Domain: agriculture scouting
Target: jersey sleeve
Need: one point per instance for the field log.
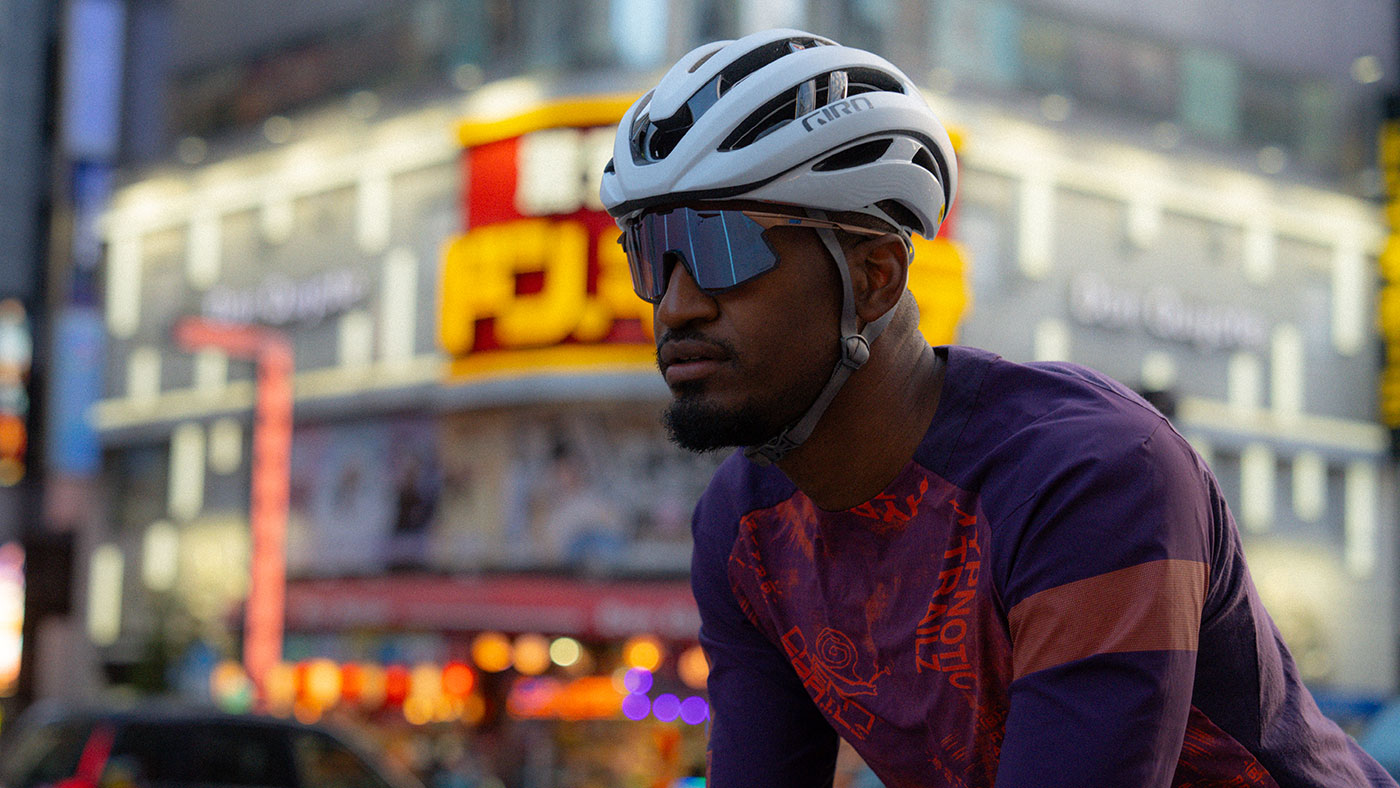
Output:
(765, 731)
(1103, 575)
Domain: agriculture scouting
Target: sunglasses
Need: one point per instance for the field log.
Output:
(721, 249)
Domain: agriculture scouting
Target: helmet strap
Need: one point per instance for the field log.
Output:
(855, 351)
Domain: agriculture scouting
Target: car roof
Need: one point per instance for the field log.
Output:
(158, 711)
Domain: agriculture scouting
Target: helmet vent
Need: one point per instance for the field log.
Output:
(696, 66)
(656, 141)
(870, 80)
(775, 113)
(854, 156)
(925, 159)
(662, 139)
(904, 216)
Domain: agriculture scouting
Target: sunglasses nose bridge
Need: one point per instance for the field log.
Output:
(669, 261)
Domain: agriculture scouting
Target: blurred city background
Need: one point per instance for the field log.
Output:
(323, 391)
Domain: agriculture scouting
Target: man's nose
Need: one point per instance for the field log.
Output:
(683, 302)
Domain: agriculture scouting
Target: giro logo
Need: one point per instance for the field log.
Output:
(823, 116)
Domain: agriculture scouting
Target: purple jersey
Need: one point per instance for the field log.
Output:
(1051, 593)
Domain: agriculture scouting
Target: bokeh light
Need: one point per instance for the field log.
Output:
(425, 681)
(230, 687)
(636, 707)
(532, 654)
(322, 687)
(666, 707)
(396, 685)
(637, 680)
(693, 667)
(458, 680)
(418, 709)
(372, 686)
(307, 712)
(694, 710)
(642, 652)
(280, 689)
(491, 652)
(565, 651)
(352, 682)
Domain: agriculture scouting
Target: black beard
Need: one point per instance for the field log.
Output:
(697, 426)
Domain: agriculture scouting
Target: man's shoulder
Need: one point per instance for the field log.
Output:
(1062, 396)
(1033, 421)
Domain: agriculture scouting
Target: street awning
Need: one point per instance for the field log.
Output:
(512, 604)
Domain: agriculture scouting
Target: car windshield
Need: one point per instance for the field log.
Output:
(223, 754)
(44, 754)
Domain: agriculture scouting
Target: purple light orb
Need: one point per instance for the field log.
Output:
(635, 707)
(637, 681)
(666, 707)
(694, 710)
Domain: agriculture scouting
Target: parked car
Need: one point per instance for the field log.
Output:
(166, 747)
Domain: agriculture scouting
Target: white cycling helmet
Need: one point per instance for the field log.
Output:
(787, 117)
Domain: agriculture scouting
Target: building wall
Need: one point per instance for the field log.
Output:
(1240, 287)
(1250, 302)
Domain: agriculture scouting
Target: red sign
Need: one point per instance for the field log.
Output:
(514, 604)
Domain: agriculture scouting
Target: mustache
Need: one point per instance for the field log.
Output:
(693, 334)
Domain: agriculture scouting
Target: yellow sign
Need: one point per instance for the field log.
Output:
(1388, 307)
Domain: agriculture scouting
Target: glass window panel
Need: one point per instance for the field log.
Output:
(1318, 111)
(1268, 108)
(1046, 50)
(979, 40)
(1152, 80)
(1210, 94)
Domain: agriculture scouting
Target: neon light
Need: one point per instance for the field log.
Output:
(638, 681)
(666, 707)
(636, 707)
(694, 710)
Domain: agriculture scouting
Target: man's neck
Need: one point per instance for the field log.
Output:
(872, 428)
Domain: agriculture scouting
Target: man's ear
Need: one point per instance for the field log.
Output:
(879, 275)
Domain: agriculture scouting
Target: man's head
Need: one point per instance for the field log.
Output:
(745, 361)
(767, 189)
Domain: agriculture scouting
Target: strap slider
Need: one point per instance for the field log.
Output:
(855, 351)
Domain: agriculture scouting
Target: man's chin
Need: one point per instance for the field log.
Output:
(698, 425)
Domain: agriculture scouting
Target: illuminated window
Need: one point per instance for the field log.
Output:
(979, 40)
(1210, 94)
(638, 31)
(1360, 522)
(1258, 483)
(1309, 486)
(1286, 370)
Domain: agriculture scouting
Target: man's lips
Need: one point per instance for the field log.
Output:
(689, 360)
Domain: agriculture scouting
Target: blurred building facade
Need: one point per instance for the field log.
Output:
(1183, 197)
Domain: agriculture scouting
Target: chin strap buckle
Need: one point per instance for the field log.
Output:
(772, 450)
(855, 351)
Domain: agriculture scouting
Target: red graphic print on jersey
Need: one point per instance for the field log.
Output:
(832, 678)
(885, 512)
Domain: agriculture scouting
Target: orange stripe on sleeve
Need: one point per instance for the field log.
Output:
(1154, 606)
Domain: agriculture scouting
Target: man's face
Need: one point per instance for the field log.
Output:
(745, 363)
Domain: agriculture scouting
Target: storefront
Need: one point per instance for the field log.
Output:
(487, 531)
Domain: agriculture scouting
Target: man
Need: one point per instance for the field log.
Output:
(976, 572)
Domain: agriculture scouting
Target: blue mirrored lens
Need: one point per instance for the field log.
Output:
(720, 249)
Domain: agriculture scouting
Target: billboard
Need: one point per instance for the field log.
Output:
(537, 278)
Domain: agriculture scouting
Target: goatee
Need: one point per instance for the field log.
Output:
(698, 426)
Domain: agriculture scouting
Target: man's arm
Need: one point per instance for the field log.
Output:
(1104, 588)
(765, 732)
